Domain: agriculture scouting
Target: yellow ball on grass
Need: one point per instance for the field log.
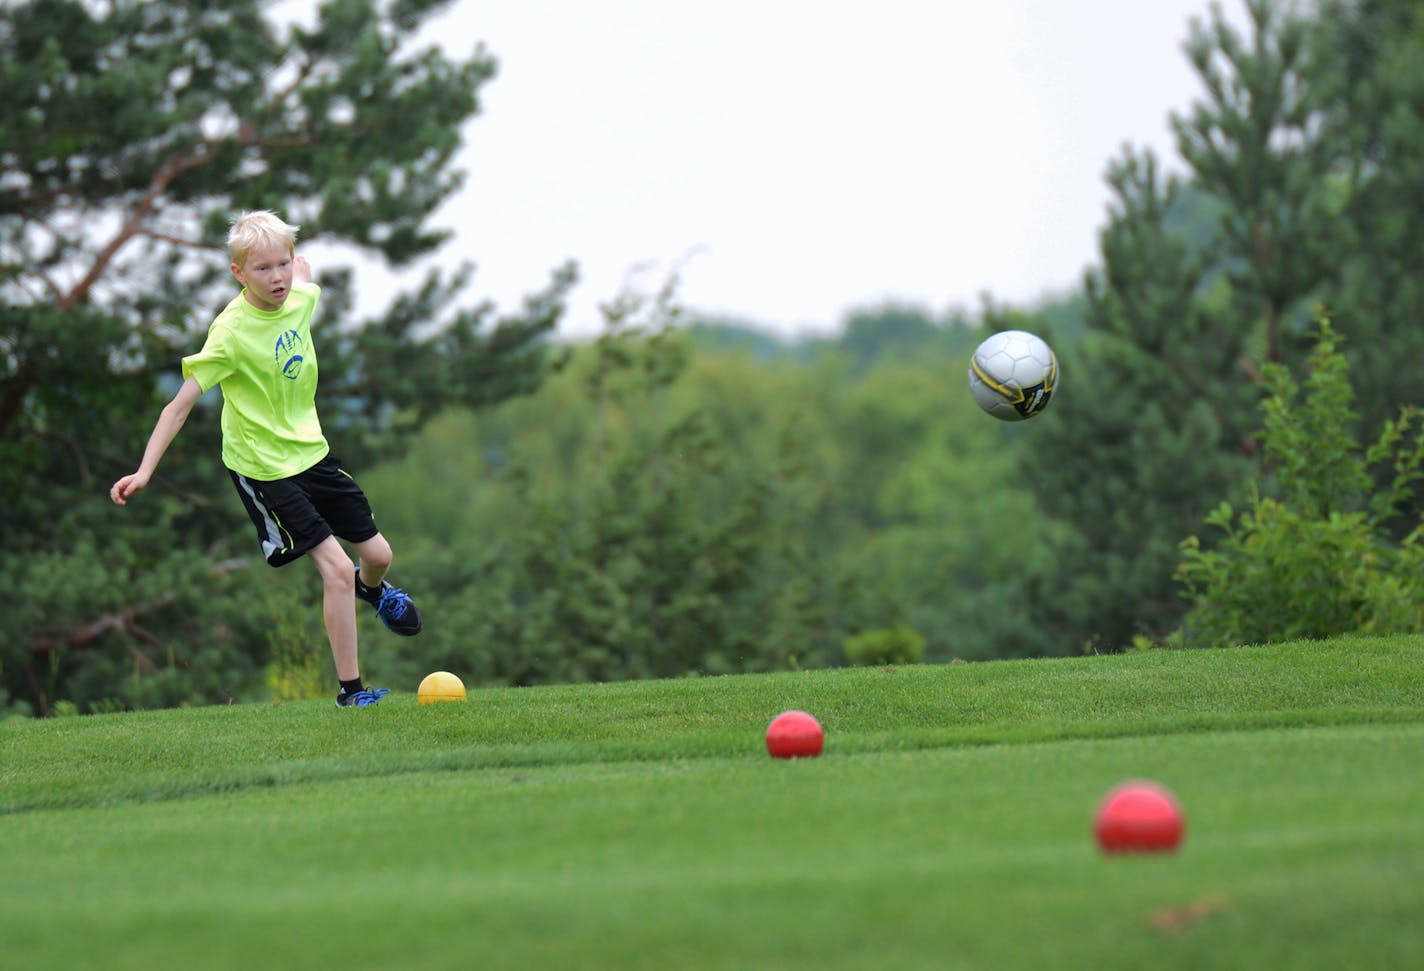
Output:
(440, 686)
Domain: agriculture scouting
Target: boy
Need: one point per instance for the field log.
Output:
(259, 349)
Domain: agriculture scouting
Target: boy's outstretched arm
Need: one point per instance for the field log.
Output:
(170, 420)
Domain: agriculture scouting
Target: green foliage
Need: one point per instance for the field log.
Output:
(169, 635)
(886, 645)
(1318, 560)
(654, 551)
(299, 664)
(1309, 443)
(1150, 419)
(1277, 575)
(662, 508)
(1253, 143)
(893, 331)
(1301, 160)
(1373, 51)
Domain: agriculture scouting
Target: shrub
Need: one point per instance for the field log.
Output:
(899, 644)
(1316, 559)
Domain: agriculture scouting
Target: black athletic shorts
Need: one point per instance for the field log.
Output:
(295, 514)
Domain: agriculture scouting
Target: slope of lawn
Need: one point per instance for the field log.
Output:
(642, 825)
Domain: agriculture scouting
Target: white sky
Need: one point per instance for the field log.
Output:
(799, 159)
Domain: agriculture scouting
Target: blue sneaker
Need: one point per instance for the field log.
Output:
(362, 698)
(393, 605)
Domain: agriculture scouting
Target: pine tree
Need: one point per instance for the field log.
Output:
(1376, 98)
(1156, 416)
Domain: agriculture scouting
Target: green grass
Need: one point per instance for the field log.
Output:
(641, 825)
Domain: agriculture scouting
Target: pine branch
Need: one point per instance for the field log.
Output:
(191, 158)
(124, 620)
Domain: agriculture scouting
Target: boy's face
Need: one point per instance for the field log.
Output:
(267, 275)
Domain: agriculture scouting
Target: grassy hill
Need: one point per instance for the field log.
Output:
(642, 825)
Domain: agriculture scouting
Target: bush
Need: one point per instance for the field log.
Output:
(1317, 560)
(899, 644)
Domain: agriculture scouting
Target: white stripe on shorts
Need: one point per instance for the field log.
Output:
(272, 542)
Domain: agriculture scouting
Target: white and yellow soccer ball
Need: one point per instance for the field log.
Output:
(1013, 374)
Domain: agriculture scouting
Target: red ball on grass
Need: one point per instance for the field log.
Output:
(794, 734)
(1139, 817)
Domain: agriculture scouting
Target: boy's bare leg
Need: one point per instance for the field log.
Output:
(338, 605)
(375, 554)
(393, 605)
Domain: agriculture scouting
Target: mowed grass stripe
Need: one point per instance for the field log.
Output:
(102, 760)
(1301, 851)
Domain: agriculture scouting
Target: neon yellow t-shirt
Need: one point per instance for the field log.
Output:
(266, 364)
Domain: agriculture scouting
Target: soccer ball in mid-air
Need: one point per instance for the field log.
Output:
(1013, 374)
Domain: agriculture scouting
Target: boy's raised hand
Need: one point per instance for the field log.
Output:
(301, 270)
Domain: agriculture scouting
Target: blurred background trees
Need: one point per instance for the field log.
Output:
(679, 495)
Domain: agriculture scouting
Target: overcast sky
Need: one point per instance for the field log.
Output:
(799, 159)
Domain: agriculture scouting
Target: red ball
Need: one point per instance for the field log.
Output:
(793, 734)
(1139, 817)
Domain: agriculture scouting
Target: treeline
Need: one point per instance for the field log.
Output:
(661, 508)
(1231, 458)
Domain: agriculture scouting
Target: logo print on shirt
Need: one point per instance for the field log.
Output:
(289, 354)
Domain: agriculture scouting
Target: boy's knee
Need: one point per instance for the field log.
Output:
(334, 566)
(342, 579)
(376, 553)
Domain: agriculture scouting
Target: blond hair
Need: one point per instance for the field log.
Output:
(259, 228)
